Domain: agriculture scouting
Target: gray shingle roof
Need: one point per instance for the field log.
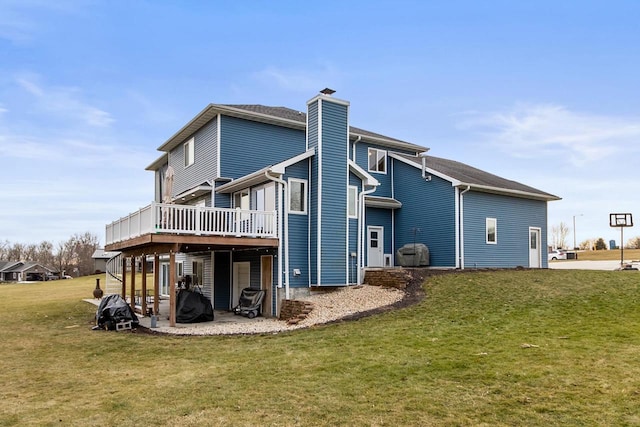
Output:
(468, 175)
(300, 116)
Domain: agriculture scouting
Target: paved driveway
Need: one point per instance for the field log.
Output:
(584, 265)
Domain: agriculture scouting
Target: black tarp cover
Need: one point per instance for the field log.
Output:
(193, 307)
(113, 309)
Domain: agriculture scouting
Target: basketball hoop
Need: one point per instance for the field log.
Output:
(621, 220)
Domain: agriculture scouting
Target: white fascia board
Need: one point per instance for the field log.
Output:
(328, 98)
(279, 168)
(454, 182)
(252, 115)
(259, 176)
(246, 181)
(389, 143)
(158, 163)
(508, 192)
(363, 174)
(213, 110)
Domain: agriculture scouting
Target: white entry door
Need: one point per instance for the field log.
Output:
(241, 279)
(375, 246)
(535, 252)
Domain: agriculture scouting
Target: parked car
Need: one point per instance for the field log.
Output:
(556, 254)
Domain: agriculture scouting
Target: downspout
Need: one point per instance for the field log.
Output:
(354, 147)
(285, 237)
(361, 224)
(462, 226)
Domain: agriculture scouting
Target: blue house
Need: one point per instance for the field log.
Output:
(284, 200)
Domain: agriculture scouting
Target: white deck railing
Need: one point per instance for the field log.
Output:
(194, 220)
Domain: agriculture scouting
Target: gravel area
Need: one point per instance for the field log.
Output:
(327, 307)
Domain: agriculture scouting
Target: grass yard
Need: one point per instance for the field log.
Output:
(535, 348)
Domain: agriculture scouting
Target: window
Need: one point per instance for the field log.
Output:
(198, 273)
(241, 200)
(297, 196)
(492, 231)
(352, 202)
(179, 270)
(377, 160)
(189, 153)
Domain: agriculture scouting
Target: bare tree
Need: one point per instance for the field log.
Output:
(74, 255)
(64, 256)
(16, 252)
(86, 245)
(44, 254)
(633, 243)
(559, 234)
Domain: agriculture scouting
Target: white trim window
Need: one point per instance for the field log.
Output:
(492, 231)
(377, 160)
(241, 200)
(297, 196)
(189, 152)
(352, 201)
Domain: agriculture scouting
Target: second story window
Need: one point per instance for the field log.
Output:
(297, 196)
(189, 153)
(377, 160)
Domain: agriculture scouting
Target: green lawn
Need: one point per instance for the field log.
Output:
(484, 348)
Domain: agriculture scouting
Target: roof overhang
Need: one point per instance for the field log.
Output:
(506, 192)
(194, 193)
(158, 163)
(382, 202)
(385, 142)
(213, 110)
(477, 187)
(260, 176)
(365, 176)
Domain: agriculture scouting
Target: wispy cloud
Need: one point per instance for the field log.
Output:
(529, 131)
(300, 80)
(22, 20)
(64, 101)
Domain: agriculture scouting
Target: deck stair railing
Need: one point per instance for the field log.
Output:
(114, 275)
(195, 220)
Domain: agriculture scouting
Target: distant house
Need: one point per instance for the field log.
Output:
(12, 271)
(284, 200)
(100, 258)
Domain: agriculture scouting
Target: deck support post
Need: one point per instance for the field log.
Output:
(156, 284)
(172, 289)
(132, 302)
(143, 304)
(124, 277)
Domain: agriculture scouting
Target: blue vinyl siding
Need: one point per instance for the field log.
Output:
(204, 166)
(362, 159)
(222, 280)
(248, 146)
(312, 126)
(221, 200)
(428, 206)
(298, 233)
(312, 142)
(514, 217)
(334, 193)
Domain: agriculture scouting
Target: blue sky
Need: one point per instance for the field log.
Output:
(541, 92)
